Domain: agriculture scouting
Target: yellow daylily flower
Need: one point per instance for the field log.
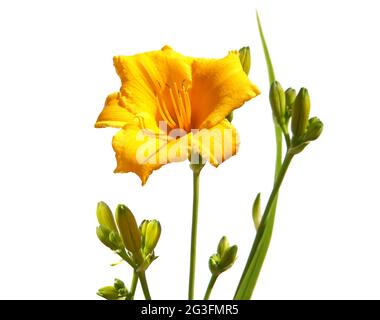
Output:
(170, 105)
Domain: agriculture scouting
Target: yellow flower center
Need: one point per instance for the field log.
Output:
(174, 106)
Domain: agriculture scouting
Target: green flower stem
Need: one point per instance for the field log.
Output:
(193, 249)
(210, 286)
(287, 139)
(144, 285)
(280, 177)
(133, 285)
(262, 240)
(278, 133)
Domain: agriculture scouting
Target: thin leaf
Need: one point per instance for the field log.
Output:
(266, 51)
(264, 232)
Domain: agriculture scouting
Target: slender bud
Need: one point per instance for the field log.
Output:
(230, 116)
(277, 102)
(314, 130)
(142, 227)
(152, 235)
(109, 293)
(245, 59)
(130, 233)
(105, 217)
(300, 113)
(290, 97)
(256, 212)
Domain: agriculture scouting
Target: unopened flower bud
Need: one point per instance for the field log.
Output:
(300, 113)
(314, 130)
(245, 59)
(224, 258)
(116, 241)
(109, 238)
(109, 293)
(103, 235)
(142, 227)
(290, 97)
(277, 102)
(105, 217)
(151, 232)
(129, 231)
(256, 211)
(118, 284)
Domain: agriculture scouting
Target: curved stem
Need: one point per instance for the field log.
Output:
(278, 133)
(210, 286)
(193, 249)
(133, 285)
(144, 285)
(280, 177)
(261, 244)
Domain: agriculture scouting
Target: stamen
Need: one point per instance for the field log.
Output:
(178, 99)
(165, 115)
(187, 104)
(181, 107)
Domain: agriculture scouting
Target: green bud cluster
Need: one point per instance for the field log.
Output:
(134, 244)
(224, 258)
(290, 106)
(116, 292)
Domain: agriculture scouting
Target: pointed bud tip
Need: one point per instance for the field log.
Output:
(245, 59)
(223, 245)
(256, 211)
(105, 216)
(278, 102)
(290, 98)
(130, 233)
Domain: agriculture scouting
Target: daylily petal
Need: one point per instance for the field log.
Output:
(219, 86)
(145, 76)
(142, 147)
(216, 144)
(113, 114)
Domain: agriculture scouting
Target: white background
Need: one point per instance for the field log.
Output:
(55, 73)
